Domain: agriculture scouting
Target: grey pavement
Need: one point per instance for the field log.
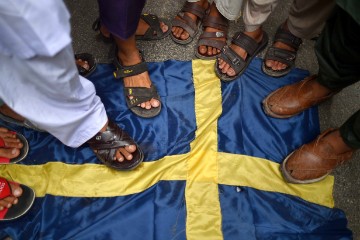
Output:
(331, 113)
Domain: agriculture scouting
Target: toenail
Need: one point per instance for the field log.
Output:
(17, 192)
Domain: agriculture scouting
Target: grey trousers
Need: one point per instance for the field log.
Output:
(306, 18)
(230, 9)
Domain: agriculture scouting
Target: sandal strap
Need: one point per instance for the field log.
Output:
(96, 25)
(112, 138)
(5, 190)
(187, 24)
(245, 42)
(232, 58)
(128, 71)
(281, 55)
(216, 22)
(154, 25)
(207, 40)
(140, 95)
(285, 36)
(195, 9)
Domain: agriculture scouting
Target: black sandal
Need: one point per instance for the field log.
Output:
(154, 32)
(281, 55)
(105, 144)
(211, 39)
(23, 151)
(25, 201)
(139, 94)
(82, 57)
(101, 37)
(235, 61)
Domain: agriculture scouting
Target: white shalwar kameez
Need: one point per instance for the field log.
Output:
(38, 76)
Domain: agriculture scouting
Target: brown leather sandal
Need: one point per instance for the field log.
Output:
(187, 23)
(212, 39)
(105, 144)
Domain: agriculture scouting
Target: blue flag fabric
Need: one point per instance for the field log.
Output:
(160, 210)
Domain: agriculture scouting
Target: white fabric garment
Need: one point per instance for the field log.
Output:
(38, 76)
(230, 9)
(33, 27)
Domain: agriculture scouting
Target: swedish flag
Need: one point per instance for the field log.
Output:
(211, 168)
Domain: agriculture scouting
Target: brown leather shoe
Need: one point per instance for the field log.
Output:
(291, 100)
(312, 162)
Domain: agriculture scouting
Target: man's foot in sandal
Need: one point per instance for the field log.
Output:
(214, 35)
(150, 27)
(85, 63)
(280, 57)
(9, 116)
(13, 146)
(115, 148)
(234, 59)
(140, 94)
(15, 199)
(187, 23)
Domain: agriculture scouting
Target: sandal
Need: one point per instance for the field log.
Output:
(211, 39)
(23, 151)
(154, 32)
(26, 123)
(83, 59)
(187, 23)
(105, 144)
(235, 61)
(101, 37)
(25, 201)
(139, 94)
(282, 55)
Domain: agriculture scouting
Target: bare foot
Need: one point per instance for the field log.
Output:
(257, 35)
(179, 32)
(11, 200)
(12, 144)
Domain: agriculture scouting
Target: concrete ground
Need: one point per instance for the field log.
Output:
(332, 113)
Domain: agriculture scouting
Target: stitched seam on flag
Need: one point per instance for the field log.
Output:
(201, 192)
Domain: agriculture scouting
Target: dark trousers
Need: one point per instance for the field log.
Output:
(121, 17)
(338, 53)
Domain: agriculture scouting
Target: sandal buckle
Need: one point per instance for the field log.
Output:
(219, 34)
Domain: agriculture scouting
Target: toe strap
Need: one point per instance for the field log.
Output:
(113, 137)
(140, 95)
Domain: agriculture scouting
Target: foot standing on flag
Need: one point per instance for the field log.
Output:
(338, 55)
(213, 18)
(15, 199)
(42, 84)
(305, 21)
(122, 22)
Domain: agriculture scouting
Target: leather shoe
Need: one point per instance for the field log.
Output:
(312, 162)
(291, 100)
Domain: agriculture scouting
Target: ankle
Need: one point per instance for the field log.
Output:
(337, 142)
(257, 35)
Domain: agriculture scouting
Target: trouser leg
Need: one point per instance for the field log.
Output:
(256, 12)
(307, 18)
(350, 131)
(49, 93)
(338, 51)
